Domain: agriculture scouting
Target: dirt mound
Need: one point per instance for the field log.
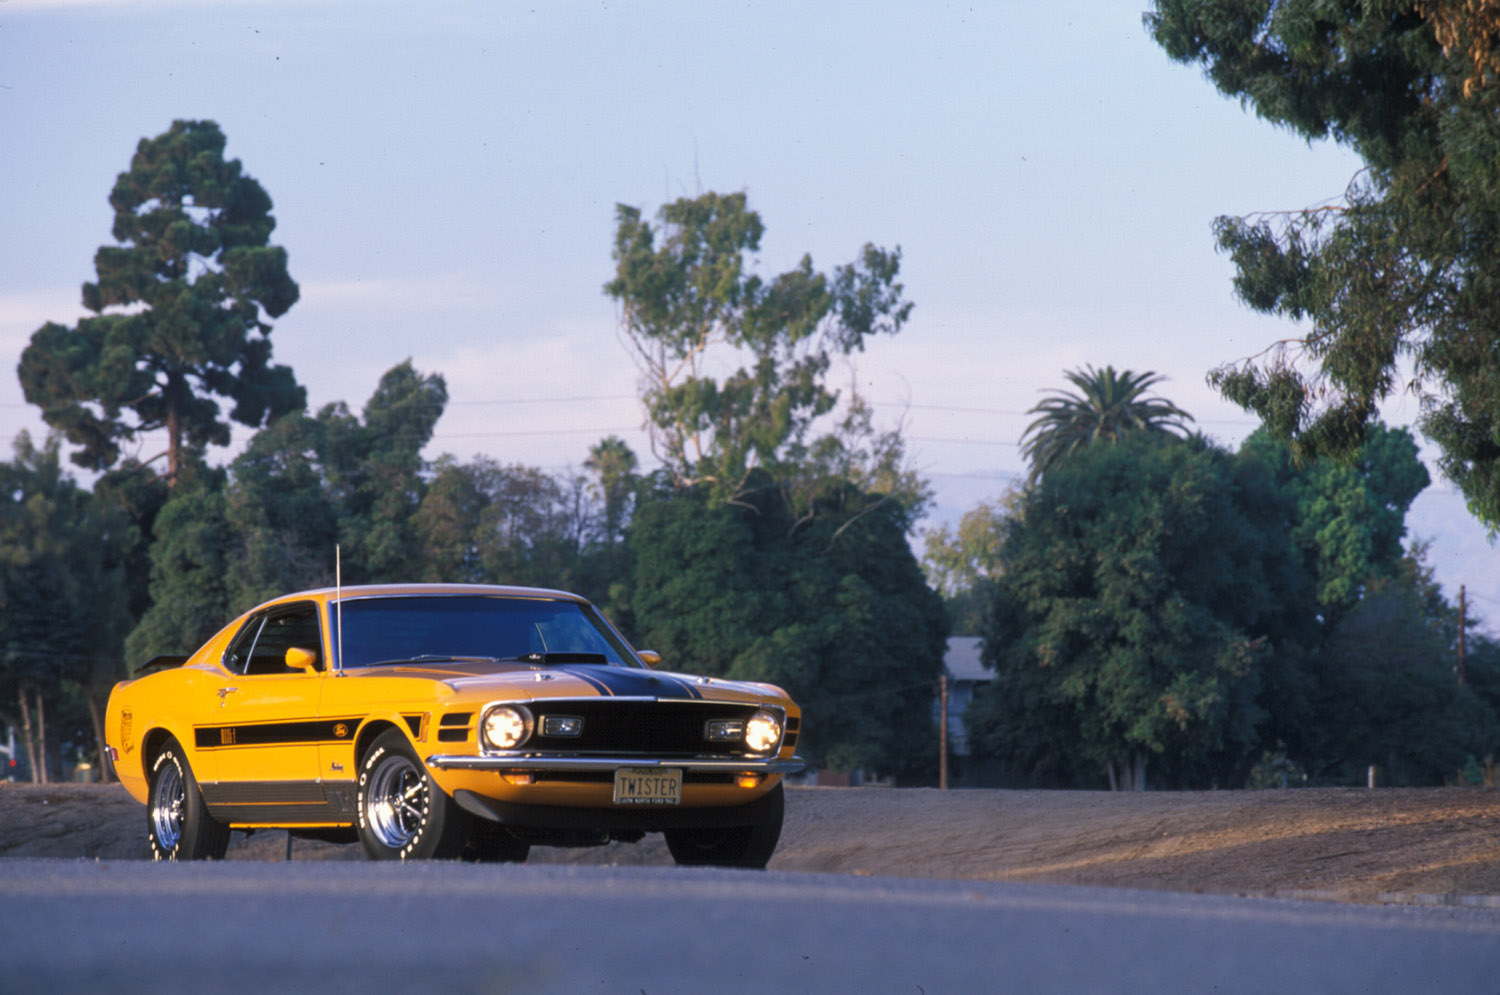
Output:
(1345, 843)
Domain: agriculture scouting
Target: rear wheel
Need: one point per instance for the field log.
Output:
(177, 821)
(732, 846)
(403, 814)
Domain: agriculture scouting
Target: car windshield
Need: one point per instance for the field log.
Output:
(468, 627)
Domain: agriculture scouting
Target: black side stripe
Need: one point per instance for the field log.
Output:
(304, 732)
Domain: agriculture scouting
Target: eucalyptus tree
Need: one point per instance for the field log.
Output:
(180, 311)
(1107, 406)
(1395, 281)
(734, 366)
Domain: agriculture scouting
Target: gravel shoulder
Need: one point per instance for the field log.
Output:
(1348, 844)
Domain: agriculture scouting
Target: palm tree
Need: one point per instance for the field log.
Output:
(1109, 404)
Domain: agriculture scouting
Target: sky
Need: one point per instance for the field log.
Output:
(445, 177)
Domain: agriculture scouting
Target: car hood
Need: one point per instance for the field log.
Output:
(581, 680)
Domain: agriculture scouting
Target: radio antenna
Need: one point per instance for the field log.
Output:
(338, 594)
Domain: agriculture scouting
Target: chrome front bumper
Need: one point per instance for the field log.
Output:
(509, 763)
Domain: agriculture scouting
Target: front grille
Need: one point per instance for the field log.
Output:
(654, 728)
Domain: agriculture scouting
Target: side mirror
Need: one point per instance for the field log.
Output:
(300, 659)
(650, 658)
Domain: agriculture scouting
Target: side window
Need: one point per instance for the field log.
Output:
(238, 653)
(285, 628)
(260, 647)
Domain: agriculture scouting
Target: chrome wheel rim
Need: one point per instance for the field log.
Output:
(397, 801)
(166, 811)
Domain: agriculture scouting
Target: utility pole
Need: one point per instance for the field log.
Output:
(943, 731)
(1463, 612)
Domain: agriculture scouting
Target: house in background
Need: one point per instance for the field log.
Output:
(966, 674)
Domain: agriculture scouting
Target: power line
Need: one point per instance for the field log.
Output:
(531, 431)
(548, 400)
(959, 442)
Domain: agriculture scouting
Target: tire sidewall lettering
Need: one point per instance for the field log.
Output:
(166, 756)
(364, 783)
(420, 835)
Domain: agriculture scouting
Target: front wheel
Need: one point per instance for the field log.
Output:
(733, 846)
(177, 821)
(403, 814)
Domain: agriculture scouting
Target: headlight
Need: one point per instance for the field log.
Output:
(763, 731)
(505, 727)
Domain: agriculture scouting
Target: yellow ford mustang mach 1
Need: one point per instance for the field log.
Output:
(443, 721)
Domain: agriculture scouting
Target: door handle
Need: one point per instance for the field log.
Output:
(222, 692)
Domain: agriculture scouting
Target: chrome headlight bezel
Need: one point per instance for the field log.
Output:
(505, 726)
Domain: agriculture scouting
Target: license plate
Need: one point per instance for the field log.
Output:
(648, 786)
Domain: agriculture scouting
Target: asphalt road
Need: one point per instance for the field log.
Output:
(119, 926)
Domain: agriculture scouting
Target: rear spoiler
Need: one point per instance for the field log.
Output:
(160, 661)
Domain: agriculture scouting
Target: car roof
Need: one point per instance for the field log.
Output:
(353, 591)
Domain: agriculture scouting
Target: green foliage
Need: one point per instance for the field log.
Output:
(833, 607)
(281, 513)
(374, 472)
(484, 522)
(138, 494)
(1390, 697)
(1107, 406)
(613, 464)
(62, 576)
(63, 605)
(226, 541)
(190, 558)
(1482, 670)
(1350, 517)
(1141, 590)
(180, 310)
(1162, 601)
(691, 303)
(962, 563)
(1401, 274)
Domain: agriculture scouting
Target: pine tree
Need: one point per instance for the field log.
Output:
(179, 311)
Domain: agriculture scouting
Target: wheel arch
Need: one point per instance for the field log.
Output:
(369, 731)
(151, 746)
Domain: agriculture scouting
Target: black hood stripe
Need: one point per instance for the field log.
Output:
(628, 682)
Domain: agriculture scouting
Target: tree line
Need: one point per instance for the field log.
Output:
(771, 544)
(1157, 609)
